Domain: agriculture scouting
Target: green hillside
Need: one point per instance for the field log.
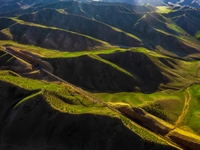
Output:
(51, 100)
(110, 76)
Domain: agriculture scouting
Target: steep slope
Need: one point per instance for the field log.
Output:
(158, 32)
(142, 68)
(114, 23)
(104, 76)
(193, 3)
(98, 77)
(82, 25)
(5, 23)
(21, 128)
(8, 7)
(189, 21)
(49, 37)
(152, 28)
(6, 59)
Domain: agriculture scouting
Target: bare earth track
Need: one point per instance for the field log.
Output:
(185, 109)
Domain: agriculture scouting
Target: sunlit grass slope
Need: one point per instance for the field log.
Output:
(163, 9)
(53, 53)
(66, 99)
(174, 103)
(181, 73)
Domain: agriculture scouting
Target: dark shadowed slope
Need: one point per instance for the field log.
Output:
(32, 120)
(49, 37)
(123, 71)
(97, 24)
(76, 23)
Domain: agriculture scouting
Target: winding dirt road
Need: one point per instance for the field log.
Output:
(185, 108)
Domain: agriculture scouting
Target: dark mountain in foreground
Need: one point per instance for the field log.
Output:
(38, 122)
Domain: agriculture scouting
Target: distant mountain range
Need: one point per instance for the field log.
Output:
(101, 23)
(193, 3)
(82, 26)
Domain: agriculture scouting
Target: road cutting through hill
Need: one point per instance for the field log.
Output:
(31, 60)
(94, 100)
(146, 120)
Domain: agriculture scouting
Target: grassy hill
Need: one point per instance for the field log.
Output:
(143, 60)
(78, 121)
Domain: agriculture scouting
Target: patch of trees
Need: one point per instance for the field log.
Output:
(156, 110)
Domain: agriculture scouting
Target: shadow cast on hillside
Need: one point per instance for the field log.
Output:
(97, 76)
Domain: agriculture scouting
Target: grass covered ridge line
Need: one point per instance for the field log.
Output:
(56, 94)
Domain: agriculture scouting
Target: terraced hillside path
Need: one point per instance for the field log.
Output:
(185, 108)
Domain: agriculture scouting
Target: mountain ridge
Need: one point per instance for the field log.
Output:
(123, 71)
